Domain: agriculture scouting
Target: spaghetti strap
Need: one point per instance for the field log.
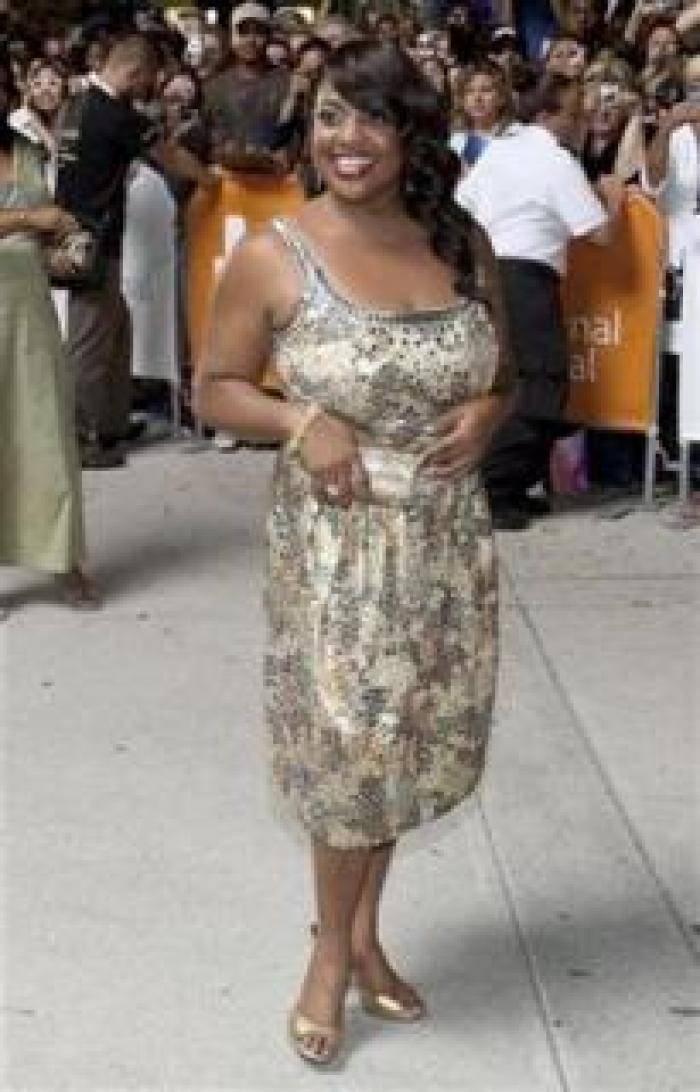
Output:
(300, 252)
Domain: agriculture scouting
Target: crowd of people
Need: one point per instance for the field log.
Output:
(412, 311)
(616, 85)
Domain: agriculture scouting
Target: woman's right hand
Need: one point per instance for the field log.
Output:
(328, 451)
(52, 220)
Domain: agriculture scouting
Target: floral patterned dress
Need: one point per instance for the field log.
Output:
(382, 640)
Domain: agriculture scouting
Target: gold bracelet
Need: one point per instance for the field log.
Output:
(313, 411)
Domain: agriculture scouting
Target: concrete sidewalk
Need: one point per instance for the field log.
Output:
(156, 912)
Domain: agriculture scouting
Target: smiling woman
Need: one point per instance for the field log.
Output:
(380, 309)
(399, 114)
(37, 118)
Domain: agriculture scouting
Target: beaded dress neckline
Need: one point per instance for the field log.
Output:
(311, 263)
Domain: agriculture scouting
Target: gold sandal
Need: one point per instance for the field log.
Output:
(301, 1029)
(386, 1007)
(383, 1005)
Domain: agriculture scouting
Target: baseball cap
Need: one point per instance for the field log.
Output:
(504, 33)
(250, 13)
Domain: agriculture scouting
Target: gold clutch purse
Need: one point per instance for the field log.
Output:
(393, 477)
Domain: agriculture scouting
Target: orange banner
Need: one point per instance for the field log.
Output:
(215, 223)
(611, 308)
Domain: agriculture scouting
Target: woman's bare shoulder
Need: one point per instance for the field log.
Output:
(257, 253)
(260, 270)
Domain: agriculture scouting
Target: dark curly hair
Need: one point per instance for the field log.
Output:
(383, 81)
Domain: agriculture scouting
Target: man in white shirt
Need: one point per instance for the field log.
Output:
(531, 196)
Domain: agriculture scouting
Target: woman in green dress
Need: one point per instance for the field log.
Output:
(41, 509)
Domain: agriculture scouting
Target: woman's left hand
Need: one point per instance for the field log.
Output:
(464, 434)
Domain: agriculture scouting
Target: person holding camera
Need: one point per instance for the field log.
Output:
(672, 156)
(672, 177)
(672, 171)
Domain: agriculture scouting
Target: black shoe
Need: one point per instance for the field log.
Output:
(534, 506)
(95, 457)
(135, 430)
(510, 518)
(260, 445)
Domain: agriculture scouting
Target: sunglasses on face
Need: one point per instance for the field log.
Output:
(250, 29)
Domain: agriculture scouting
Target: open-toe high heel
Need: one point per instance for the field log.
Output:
(386, 1006)
(305, 1036)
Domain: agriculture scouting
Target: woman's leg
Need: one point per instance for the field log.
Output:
(365, 926)
(339, 876)
(374, 972)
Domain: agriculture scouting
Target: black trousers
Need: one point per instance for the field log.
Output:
(519, 457)
(520, 451)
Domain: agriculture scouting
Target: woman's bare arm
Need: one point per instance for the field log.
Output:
(238, 348)
(43, 220)
(13, 221)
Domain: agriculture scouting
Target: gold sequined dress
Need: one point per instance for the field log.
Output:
(382, 618)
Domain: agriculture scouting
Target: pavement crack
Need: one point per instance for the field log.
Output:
(548, 1019)
(685, 930)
